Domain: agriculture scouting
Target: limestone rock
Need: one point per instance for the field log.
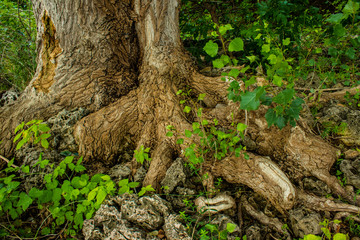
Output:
(174, 175)
(351, 170)
(8, 97)
(304, 223)
(175, 230)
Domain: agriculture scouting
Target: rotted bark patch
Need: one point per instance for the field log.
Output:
(50, 51)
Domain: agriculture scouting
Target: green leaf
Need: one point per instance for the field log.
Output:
(169, 134)
(68, 159)
(286, 41)
(280, 122)
(187, 109)
(312, 237)
(270, 117)
(351, 53)
(284, 96)
(19, 127)
(277, 80)
(93, 194)
(265, 48)
(134, 184)
(241, 127)
(339, 30)
(251, 100)
(218, 63)
(17, 137)
(230, 227)
(234, 73)
(211, 227)
(251, 58)
(211, 48)
(57, 195)
(21, 143)
(272, 59)
(340, 236)
(44, 128)
(351, 7)
(44, 143)
(335, 18)
(311, 62)
(24, 201)
(180, 141)
(45, 136)
(236, 44)
(201, 96)
(123, 182)
(188, 133)
(224, 28)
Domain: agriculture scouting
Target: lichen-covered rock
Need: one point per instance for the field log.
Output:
(8, 97)
(62, 128)
(120, 171)
(147, 212)
(351, 170)
(253, 233)
(334, 115)
(316, 186)
(140, 174)
(304, 223)
(127, 217)
(174, 175)
(174, 230)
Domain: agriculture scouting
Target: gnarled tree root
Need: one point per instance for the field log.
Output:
(274, 223)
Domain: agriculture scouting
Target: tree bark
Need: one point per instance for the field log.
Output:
(123, 61)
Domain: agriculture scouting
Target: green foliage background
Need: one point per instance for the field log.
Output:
(17, 44)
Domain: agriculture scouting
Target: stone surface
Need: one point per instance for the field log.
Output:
(304, 222)
(128, 217)
(221, 221)
(62, 129)
(253, 233)
(174, 175)
(351, 154)
(8, 97)
(316, 186)
(174, 230)
(351, 170)
(140, 174)
(120, 171)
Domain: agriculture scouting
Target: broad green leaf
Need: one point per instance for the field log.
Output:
(218, 63)
(123, 182)
(351, 53)
(211, 48)
(270, 117)
(169, 134)
(340, 236)
(180, 141)
(277, 80)
(68, 159)
(234, 73)
(351, 7)
(211, 227)
(188, 133)
(265, 48)
(134, 184)
(224, 28)
(272, 59)
(251, 100)
(236, 44)
(92, 194)
(57, 195)
(25, 169)
(241, 127)
(311, 62)
(24, 201)
(187, 109)
(17, 137)
(44, 128)
(286, 41)
(21, 143)
(280, 122)
(19, 127)
(44, 143)
(339, 30)
(284, 96)
(312, 237)
(335, 18)
(251, 81)
(45, 136)
(201, 96)
(251, 58)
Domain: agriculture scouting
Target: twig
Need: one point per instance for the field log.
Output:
(7, 160)
(16, 236)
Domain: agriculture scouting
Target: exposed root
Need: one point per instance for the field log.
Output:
(323, 204)
(260, 174)
(161, 161)
(100, 134)
(273, 223)
(214, 205)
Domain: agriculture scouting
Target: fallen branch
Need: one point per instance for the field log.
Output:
(7, 160)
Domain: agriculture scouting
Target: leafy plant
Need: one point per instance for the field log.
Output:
(33, 131)
(142, 154)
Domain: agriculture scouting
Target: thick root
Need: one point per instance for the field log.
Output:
(260, 174)
(273, 223)
(324, 204)
(101, 134)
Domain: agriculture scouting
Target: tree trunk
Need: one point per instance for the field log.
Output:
(123, 60)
